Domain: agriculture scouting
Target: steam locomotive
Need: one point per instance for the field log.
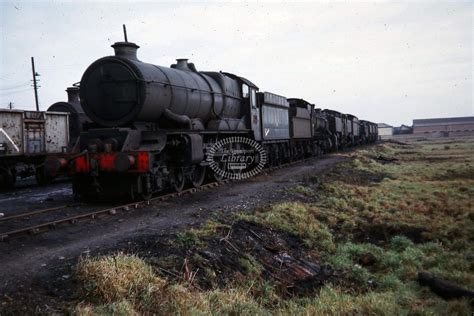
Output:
(156, 125)
(78, 120)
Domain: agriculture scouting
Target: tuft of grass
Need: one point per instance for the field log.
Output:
(114, 278)
(303, 190)
(187, 239)
(121, 308)
(125, 285)
(251, 266)
(195, 237)
(333, 301)
(298, 219)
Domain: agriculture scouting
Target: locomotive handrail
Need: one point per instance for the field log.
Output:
(165, 84)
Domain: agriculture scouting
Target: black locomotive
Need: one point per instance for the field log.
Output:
(78, 120)
(158, 123)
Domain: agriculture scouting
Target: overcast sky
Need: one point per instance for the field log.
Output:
(382, 61)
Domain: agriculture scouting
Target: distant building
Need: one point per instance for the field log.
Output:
(402, 130)
(385, 130)
(449, 126)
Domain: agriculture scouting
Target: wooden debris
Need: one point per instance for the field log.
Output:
(443, 288)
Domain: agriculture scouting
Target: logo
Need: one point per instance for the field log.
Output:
(236, 158)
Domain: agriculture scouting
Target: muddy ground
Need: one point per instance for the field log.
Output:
(36, 271)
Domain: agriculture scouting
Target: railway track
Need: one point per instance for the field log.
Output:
(109, 211)
(50, 225)
(33, 213)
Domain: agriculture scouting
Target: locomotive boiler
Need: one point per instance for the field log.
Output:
(121, 90)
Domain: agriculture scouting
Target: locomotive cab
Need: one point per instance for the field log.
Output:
(249, 96)
(250, 104)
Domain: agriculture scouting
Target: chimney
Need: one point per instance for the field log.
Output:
(182, 64)
(126, 50)
(73, 95)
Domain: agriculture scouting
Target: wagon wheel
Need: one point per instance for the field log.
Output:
(41, 177)
(7, 178)
(198, 175)
(178, 180)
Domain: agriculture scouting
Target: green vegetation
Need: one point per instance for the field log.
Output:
(376, 221)
(193, 237)
(299, 189)
(298, 219)
(251, 266)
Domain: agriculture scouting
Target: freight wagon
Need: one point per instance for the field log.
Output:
(26, 139)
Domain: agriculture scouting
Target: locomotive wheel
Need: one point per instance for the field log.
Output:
(198, 175)
(179, 180)
(132, 195)
(217, 177)
(146, 190)
(146, 196)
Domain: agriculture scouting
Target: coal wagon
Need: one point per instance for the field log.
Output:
(26, 139)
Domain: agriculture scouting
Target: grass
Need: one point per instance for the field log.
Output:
(125, 285)
(194, 237)
(162, 297)
(298, 219)
(111, 278)
(299, 189)
(251, 266)
(376, 223)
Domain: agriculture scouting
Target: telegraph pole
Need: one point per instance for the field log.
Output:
(35, 86)
(10, 105)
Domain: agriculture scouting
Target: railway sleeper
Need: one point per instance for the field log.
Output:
(34, 231)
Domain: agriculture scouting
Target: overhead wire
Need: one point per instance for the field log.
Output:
(15, 91)
(16, 86)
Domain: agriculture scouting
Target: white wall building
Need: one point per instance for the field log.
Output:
(385, 130)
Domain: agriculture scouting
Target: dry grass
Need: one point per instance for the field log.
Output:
(126, 285)
(111, 278)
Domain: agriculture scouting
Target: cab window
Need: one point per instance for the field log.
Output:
(253, 98)
(245, 91)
